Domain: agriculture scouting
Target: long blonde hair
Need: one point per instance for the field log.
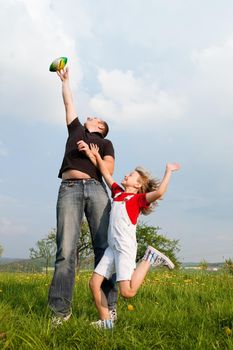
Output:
(148, 184)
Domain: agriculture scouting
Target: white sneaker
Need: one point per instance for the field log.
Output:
(156, 258)
(59, 320)
(103, 324)
(113, 315)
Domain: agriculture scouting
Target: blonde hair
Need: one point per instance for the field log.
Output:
(148, 184)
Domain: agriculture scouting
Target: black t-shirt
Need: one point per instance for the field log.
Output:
(73, 159)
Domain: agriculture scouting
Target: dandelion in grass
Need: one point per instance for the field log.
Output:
(188, 281)
(130, 307)
(228, 331)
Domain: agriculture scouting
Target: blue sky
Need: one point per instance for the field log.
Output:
(160, 72)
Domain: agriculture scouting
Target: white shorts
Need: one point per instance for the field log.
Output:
(121, 262)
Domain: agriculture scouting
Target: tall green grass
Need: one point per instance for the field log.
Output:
(172, 311)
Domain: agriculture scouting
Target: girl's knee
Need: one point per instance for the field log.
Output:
(127, 293)
(92, 283)
(95, 282)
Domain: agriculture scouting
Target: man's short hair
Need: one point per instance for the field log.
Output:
(106, 128)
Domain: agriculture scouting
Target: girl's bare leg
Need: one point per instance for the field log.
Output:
(129, 289)
(99, 296)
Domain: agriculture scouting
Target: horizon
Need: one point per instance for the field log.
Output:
(182, 262)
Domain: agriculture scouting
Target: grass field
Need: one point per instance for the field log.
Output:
(175, 310)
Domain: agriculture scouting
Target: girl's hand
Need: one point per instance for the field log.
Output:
(94, 149)
(173, 166)
(82, 146)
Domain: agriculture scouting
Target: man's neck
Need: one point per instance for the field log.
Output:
(90, 129)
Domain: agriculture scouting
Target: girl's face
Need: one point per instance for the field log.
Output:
(131, 180)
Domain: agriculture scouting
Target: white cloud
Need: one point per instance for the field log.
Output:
(33, 37)
(213, 82)
(75, 18)
(125, 98)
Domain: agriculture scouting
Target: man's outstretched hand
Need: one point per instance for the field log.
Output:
(63, 74)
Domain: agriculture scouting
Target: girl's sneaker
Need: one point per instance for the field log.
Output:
(156, 258)
(103, 324)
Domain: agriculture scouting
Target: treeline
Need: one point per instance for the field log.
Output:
(38, 265)
(42, 256)
(26, 265)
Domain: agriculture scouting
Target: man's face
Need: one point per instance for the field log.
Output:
(131, 180)
(93, 122)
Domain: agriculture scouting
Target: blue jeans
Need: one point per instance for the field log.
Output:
(75, 199)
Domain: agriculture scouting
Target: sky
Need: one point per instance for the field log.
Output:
(160, 72)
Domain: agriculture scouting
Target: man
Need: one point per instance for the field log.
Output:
(82, 191)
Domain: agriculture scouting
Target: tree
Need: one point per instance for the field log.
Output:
(1, 250)
(148, 235)
(45, 249)
(228, 266)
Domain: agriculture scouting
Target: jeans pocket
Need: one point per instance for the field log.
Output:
(101, 185)
(62, 189)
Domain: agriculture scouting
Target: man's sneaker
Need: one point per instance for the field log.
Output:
(156, 258)
(113, 315)
(59, 320)
(103, 324)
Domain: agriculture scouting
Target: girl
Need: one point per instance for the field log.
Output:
(138, 194)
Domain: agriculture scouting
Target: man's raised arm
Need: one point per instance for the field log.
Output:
(67, 95)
